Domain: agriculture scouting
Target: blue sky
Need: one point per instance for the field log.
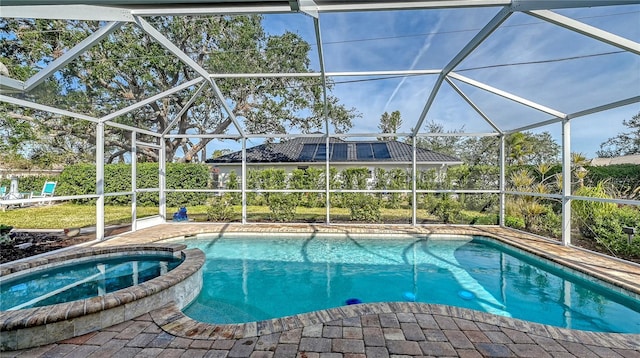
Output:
(428, 39)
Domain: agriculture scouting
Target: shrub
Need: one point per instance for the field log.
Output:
(233, 183)
(80, 179)
(586, 213)
(447, 209)
(363, 207)
(220, 208)
(283, 206)
(514, 222)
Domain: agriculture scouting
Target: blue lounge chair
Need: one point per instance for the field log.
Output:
(47, 191)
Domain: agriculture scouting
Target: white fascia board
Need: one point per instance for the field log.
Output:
(587, 30)
(404, 5)
(41, 107)
(10, 84)
(508, 95)
(71, 55)
(68, 12)
(152, 99)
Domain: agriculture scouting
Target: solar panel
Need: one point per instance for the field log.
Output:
(339, 152)
(380, 151)
(308, 150)
(364, 151)
(321, 153)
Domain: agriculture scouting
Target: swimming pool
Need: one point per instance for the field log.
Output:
(249, 279)
(77, 281)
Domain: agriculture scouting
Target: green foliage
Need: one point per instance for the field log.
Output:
(515, 222)
(233, 183)
(4, 233)
(283, 206)
(624, 178)
(32, 183)
(220, 208)
(447, 209)
(80, 179)
(603, 222)
(309, 179)
(626, 143)
(363, 207)
(142, 68)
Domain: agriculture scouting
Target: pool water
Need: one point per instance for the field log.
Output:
(71, 282)
(251, 279)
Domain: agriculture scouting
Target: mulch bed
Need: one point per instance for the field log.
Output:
(36, 243)
(26, 244)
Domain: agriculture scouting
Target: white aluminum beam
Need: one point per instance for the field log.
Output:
(201, 10)
(100, 220)
(582, 113)
(526, 5)
(566, 182)
(68, 12)
(473, 105)
(131, 128)
(502, 184)
(308, 7)
(226, 107)
(327, 74)
(323, 77)
(487, 30)
(11, 84)
(587, 30)
(175, 50)
(346, 6)
(71, 55)
(41, 107)
(508, 95)
(605, 107)
(184, 109)
(151, 99)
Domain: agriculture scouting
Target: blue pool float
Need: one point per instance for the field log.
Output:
(353, 301)
(410, 296)
(466, 295)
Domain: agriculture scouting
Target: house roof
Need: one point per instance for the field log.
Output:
(313, 150)
(627, 159)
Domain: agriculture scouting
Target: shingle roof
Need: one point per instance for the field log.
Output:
(311, 150)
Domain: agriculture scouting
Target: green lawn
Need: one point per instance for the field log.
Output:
(72, 215)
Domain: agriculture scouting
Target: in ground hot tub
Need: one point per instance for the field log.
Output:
(66, 295)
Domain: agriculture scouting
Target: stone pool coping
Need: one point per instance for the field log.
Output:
(171, 320)
(31, 327)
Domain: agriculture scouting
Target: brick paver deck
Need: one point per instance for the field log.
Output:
(367, 330)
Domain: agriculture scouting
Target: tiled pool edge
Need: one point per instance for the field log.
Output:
(171, 320)
(38, 326)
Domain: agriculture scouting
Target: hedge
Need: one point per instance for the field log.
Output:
(80, 179)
